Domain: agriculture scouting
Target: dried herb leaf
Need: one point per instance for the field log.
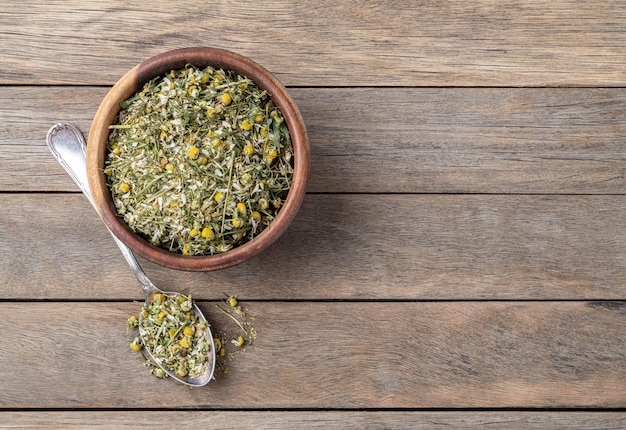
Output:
(199, 161)
(174, 334)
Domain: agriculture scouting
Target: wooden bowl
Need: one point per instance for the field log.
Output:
(129, 84)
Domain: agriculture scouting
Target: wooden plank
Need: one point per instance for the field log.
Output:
(467, 140)
(345, 247)
(362, 420)
(27, 114)
(330, 355)
(434, 140)
(336, 43)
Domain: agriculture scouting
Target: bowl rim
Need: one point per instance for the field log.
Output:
(129, 84)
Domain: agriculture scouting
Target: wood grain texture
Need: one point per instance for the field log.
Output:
(27, 114)
(270, 420)
(459, 259)
(345, 247)
(327, 43)
(365, 140)
(331, 355)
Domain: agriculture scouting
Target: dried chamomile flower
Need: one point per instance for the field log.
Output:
(199, 161)
(174, 334)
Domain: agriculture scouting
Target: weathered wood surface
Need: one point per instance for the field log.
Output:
(459, 259)
(368, 140)
(453, 247)
(330, 355)
(327, 43)
(271, 420)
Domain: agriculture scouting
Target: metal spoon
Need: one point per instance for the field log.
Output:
(68, 146)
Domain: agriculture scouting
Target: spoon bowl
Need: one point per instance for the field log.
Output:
(68, 146)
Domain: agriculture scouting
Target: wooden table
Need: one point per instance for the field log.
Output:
(459, 260)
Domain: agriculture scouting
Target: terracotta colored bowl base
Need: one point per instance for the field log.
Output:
(130, 83)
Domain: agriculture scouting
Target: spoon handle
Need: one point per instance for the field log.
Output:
(67, 144)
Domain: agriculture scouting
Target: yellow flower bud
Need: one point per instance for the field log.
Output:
(246, 125)
(226, 99)
(185, 343)
(193, 152)
(136, 345)
(132, 321)
(271, 155)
